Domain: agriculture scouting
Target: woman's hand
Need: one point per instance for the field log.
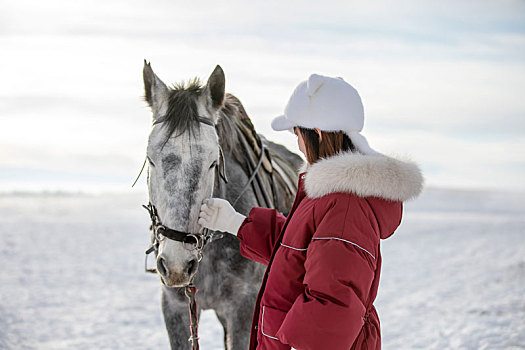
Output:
(218, 215)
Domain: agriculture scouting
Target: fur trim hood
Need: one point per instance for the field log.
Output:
(365, 176)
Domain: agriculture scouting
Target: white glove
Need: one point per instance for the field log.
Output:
(218, 215)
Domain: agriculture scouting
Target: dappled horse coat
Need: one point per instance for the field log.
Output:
(324, 259)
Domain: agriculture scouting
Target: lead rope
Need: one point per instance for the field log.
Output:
(191, 291)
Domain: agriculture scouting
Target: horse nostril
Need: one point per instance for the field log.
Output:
(161, 266)
(192, 266)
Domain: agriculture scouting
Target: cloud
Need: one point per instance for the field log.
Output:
(441, 81)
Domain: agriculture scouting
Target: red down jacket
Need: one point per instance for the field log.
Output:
(324, 259)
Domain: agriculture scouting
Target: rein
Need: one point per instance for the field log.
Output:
(250, 180)
(191, 241)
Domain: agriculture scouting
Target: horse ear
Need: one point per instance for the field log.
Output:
(216, 86)
(155, 91)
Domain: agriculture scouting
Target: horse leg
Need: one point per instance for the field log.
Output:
(236, 318)
(224, 323)
(176, 317)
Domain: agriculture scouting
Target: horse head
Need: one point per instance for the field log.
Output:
(183, 155)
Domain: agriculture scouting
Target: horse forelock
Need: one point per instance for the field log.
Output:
(182, 115)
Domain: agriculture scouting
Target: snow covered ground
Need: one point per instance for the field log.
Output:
(72, 278)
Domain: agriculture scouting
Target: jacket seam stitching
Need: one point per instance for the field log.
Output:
(352, 243)
(262, 327)
(299, 249)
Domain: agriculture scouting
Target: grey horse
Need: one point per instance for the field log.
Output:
(185, 157)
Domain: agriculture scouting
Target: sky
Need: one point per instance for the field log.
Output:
(441, 82)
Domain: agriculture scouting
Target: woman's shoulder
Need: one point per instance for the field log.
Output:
(347, 216)
(337, 204)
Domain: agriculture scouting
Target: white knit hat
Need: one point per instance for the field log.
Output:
(329, 104)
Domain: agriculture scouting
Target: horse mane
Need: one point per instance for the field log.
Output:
(182, 116)
(232, 115)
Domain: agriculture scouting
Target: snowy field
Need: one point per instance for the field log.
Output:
(453, 274)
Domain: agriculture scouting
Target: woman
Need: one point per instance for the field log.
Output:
(323, 259)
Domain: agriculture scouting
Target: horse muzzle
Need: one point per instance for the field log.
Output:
(176, 277)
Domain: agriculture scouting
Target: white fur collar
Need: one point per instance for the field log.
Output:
(363, 175)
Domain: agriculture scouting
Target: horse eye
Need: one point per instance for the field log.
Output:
(213, 164)
(150, 162)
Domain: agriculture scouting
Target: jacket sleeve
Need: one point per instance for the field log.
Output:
(339, 273)
(259, 232)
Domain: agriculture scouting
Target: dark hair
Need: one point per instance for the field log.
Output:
(332, 142)
(182, 116)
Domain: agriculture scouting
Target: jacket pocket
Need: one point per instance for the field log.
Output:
(271, 321)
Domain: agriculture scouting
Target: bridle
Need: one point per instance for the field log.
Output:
(191, 241)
